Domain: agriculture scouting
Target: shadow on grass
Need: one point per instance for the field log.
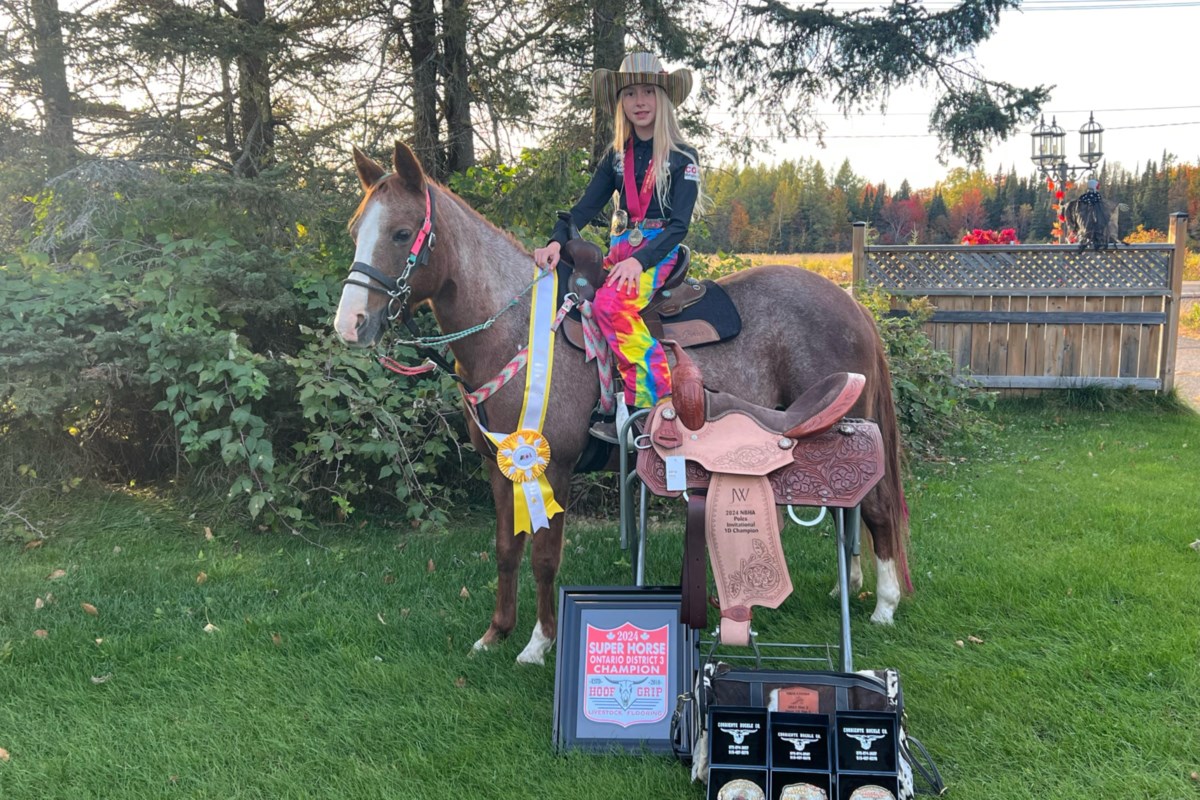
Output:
(1100, 398)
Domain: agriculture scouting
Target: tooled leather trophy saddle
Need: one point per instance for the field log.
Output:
(738, 462)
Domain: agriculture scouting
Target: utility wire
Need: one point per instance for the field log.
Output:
(720, 113)
(933, 135)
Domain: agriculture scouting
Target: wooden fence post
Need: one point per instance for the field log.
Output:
(1176, 235)
(858, 256)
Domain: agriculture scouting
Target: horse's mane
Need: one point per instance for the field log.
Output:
(466, 207)
(444, 193)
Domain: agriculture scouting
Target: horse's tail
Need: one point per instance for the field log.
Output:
(891, 488)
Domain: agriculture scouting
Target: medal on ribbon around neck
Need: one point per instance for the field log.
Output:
(638, 202)
(620, 222)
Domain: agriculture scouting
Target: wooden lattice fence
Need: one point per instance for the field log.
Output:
(1030, 317)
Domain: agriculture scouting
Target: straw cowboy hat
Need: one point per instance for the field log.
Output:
(636, 69)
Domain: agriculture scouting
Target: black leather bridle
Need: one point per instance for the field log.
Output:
(397, 289)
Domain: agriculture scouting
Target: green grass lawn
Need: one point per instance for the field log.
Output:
(341, 669)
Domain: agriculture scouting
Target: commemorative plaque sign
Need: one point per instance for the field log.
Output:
(623, 658)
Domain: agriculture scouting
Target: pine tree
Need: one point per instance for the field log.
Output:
(783, 57)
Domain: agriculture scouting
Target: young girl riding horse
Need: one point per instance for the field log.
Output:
(658, 177)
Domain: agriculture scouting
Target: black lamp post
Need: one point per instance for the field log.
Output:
(1048, 156)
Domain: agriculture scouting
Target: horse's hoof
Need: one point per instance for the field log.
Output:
(535, 651)
(884, 615)
(538, 659)
(480, 646)
(855, 578)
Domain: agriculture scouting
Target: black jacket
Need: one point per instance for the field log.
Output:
(609, 177)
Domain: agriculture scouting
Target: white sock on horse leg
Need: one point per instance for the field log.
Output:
(887, 591)
(855, 578)
(535, 651)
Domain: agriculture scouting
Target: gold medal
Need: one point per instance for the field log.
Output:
(620, 222)
(636, 236)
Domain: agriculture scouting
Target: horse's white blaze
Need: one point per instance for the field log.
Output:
(353, 305)
(535, 651)
(887, 591)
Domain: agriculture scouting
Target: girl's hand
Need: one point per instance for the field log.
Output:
(625, 275)
(547, 257)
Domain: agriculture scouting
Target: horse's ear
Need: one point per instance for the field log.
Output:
(369, 170)
(406, 166)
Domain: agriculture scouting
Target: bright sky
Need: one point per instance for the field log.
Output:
(1129, 61)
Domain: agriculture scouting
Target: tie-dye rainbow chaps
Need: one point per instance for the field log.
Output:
(640, 357)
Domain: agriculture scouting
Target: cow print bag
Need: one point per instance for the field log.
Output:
(719, 684)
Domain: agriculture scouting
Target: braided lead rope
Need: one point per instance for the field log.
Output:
(596, 348)
(507, 373)
(517, 362)
(447, 338)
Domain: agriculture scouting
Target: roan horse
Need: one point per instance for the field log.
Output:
(798, 327)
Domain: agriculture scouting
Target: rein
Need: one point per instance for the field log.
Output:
(447, 338)
(398, 290)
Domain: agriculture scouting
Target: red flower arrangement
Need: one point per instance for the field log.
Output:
(977, 236)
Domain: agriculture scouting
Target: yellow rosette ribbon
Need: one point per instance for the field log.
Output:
(523, 456)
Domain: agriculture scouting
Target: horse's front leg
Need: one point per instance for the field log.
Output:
(547, 556)
(509, 550)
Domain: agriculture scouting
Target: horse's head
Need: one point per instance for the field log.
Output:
(393, 231)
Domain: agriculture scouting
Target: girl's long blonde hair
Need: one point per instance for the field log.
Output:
(667, 137)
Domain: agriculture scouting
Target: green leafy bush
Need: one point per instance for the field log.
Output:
(165, 326)
(523, 198)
